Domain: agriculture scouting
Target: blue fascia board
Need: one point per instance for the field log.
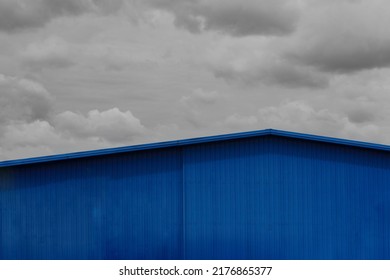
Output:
(192, 141)
(332, 140)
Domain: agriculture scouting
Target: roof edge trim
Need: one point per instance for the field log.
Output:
(192, 141)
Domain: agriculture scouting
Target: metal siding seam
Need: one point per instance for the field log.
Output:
(181, 149)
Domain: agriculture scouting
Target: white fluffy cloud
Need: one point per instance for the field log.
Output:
(28, 126)
(300, 116)
(23, 140)
(237, 18)
(111, 125)
(36, 133)
(69, 132)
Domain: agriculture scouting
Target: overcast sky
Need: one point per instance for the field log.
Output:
(87, 74)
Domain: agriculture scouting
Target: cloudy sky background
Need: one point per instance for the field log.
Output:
(87, 74)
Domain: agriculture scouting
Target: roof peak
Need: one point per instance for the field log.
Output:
(197, 140)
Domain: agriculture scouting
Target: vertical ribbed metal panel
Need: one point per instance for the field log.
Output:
(124, 206)
(267, 197)
(281, 198)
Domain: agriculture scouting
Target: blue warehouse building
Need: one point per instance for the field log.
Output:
(265, 194)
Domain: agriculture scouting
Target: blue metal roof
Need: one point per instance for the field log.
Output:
(198, 140)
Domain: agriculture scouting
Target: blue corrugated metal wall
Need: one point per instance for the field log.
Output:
(280, 198)
(263, 197)
(125, 206)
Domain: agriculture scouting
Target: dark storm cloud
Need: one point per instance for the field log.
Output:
(237, 18)
(26, 14)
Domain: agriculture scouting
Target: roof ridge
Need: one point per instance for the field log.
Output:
(197, 140)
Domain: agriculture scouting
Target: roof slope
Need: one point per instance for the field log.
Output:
(185, 142)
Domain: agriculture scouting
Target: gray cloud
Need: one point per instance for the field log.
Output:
(288, 76)
(26, 14)
(28, 126)
(253, 61)
(250, 67)
(37, 138)
(301, 116)
(237, 121)
(69, 132)
(201, 97)
(318, 62)
(23, 100)
(16, 15)
(67, 7)
(237, 18)
(53, 52)
(343, 38)
(360, 116)
(347, 55)
(198, 106)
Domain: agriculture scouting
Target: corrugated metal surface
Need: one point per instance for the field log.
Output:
(281, 198)
(125, 206)
(255, 197)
